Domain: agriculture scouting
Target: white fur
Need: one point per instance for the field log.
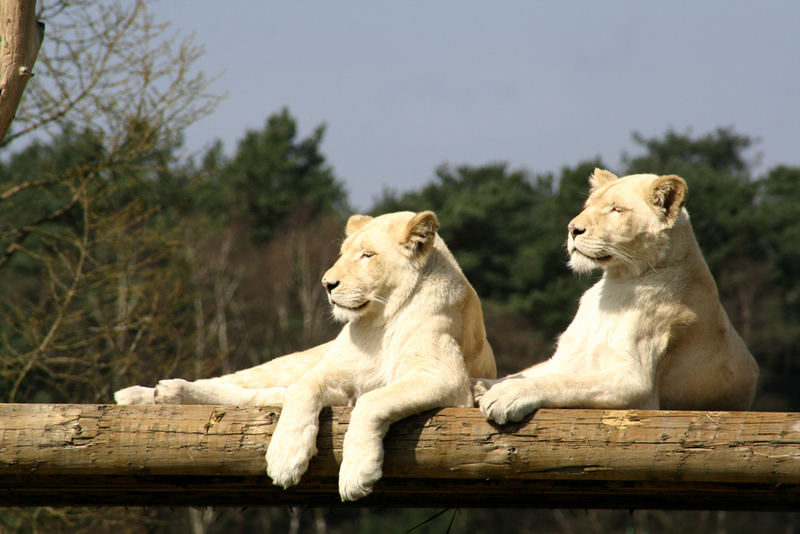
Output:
(652, 332)
(414, 336)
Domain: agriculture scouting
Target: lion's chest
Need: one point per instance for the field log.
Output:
(611, 323)
(366, 361)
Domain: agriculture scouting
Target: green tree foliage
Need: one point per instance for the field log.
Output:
(91, 284)
(722, 150)
(779, 215)
(90, 280)
(275, 177)
(266, 223)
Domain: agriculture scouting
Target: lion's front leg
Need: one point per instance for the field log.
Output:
(362, 457)
(374, 412)
(293, 443)
(621, 386)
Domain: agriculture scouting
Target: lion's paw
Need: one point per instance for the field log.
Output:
(479, 388)
(287, 458)
(509, 400)
(362, 466)
(135, 395)
(356, 481)
(171, 391)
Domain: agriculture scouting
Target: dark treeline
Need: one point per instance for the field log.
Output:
(124, 266)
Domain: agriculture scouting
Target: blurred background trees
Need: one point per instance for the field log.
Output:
(123, 261)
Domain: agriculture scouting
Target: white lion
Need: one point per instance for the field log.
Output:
(413, 337)
(652, 332)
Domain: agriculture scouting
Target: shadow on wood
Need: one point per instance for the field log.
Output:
(214, 455)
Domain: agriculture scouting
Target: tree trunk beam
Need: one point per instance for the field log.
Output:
(22, 37)
(214, 455)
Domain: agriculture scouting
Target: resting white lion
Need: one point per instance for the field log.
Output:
(414, 336)
(652, 332)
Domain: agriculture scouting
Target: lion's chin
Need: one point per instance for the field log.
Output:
(583, 263)
(346, 314)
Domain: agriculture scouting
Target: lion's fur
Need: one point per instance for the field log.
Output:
(413, 336)
(652, 332)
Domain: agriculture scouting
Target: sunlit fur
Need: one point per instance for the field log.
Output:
(413, 337)
(652, 332)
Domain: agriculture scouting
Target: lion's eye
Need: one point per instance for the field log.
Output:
(617, 209)
(366, 254)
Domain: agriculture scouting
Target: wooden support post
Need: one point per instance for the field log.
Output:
(212, 455)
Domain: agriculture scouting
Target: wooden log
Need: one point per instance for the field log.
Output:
(214, 455)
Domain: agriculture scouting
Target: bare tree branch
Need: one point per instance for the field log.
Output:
(21, 233)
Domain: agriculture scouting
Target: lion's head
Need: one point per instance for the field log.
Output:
(380, 261)
(625, 225)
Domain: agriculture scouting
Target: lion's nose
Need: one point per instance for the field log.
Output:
(574, 231)
(329, 285)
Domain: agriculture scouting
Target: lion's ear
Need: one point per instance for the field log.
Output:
(601, 177)
(669, 194)
(355, 223)
(420, 232)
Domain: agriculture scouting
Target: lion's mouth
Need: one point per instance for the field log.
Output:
(351, 308)
(593, 258)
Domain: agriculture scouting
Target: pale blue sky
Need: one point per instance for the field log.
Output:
(405, 86)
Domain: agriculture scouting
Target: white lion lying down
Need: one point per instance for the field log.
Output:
(413, 336)
(652, 332)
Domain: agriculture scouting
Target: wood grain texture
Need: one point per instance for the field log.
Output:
(204, 455)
